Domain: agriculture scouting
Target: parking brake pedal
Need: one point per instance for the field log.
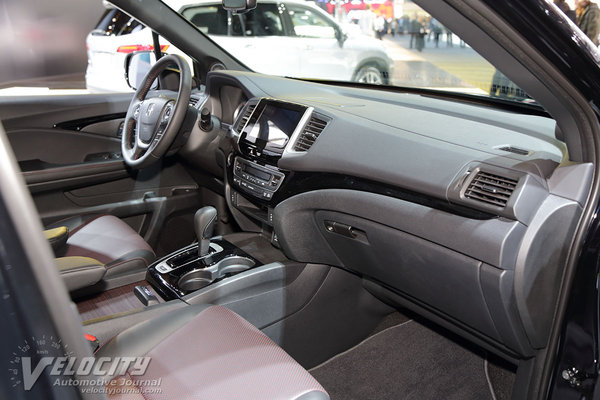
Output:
(145, 295)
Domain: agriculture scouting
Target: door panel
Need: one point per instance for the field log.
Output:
(47, 111)
(69, 150)
(59, 147)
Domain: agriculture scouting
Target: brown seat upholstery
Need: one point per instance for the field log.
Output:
(107, 239)
(208, 352)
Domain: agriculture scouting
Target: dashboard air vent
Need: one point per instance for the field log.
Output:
(194, 101)
(245, 117)
(311, 132)
(491, 189)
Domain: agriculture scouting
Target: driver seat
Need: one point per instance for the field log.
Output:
(103, 238)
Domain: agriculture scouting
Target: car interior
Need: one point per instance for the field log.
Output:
(283, 238)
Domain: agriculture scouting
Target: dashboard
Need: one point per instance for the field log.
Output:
(456, 210)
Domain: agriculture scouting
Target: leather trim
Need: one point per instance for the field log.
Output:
(111, 241)
(209, 352)
(57, 237)
(107, 239)
(56, 233)
(138, 340)
(67, 264)
(127, 390)
(73, 222)
(86, 221)
(129, 263)
(76, 171)
(80, 272)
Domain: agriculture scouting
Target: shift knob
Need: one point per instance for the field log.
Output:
(204, 223)
(205, 120)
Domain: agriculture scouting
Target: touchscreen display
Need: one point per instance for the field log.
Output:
(272, 125)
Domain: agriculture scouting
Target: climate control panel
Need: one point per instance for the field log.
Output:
(255, 179)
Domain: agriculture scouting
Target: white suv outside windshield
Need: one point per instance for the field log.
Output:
(395, 44)
(357, 42)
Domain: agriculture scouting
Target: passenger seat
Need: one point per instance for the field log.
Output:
(207, 352)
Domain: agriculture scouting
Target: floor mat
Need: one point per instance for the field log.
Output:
(407, 361)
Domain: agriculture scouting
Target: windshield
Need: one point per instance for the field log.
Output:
(375, 42)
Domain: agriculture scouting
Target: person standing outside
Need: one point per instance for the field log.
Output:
(588, 19)
(420, 35)
(380, 26)
(449, 38)
(367, 21)
(564, 7)
(413, 30)
(436, 28)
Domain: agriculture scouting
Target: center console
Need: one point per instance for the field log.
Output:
(184, 271)
(266, 130)
(200, 264)
(263, 133)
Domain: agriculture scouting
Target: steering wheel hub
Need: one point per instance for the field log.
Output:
(151, 111)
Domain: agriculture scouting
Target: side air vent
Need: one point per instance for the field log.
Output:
(245, 117)
(515, 150)
(491, 189)
(310, 133)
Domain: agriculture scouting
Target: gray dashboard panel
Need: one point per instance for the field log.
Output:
(493, 241)
(414, 142)
(463, 267)
(497, 276)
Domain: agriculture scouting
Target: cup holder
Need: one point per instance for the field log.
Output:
(199, 278)
(194, 280)
(232, 265)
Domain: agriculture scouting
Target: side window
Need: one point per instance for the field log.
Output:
(307, 23)
(211, 20)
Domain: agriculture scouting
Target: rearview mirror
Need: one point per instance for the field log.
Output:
(239, 6)
(137, 66)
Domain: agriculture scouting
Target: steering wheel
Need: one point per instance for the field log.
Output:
(155, 117)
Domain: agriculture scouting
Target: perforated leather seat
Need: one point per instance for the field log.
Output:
(107, 239)
(208, 352)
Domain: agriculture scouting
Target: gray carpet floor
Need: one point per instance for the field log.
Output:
(406, 361)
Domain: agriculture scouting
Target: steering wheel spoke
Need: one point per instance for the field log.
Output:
(135, 115)
(154, 118)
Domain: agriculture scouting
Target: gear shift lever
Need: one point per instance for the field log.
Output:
(204, 223)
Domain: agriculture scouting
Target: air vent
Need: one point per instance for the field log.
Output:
(516, 150)
(491, 189)
(245, 117)
(311, 132)
(194, 101)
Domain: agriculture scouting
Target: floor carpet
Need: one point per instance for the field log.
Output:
(406, 361)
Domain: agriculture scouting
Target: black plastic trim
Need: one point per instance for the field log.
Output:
(80, 124)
